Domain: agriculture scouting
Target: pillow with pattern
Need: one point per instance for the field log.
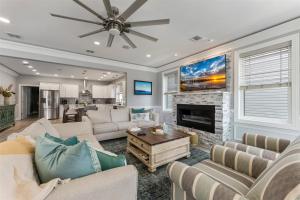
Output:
(140, 117)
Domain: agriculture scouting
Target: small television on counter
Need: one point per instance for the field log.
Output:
(142, 87)
(204, 75)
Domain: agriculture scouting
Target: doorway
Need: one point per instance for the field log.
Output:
(29, 102)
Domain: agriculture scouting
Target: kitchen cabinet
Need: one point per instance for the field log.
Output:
(104, 91)
(49, 86)
(99, 91)
(69, 91)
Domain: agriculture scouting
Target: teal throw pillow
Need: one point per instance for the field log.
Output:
(109, 160)
(69, 142)
(137, 110)
(54, 160)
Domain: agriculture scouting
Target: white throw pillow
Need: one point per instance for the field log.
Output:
(99, 116)
(140, 117)
(120, 115)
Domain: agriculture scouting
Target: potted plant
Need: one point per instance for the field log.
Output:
(6, 93)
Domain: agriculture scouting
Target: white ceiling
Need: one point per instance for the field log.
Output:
(221, 20)
(57, 70)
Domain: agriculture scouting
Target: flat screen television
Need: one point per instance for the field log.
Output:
(142, 87)
(204, 75)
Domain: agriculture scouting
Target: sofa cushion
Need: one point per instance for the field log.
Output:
(120, 115)
(91, 139)
(145, 124)
(125, 125)
(68, 142)
(54, 160)
(100, 116)
(238, 182)
(105, 127)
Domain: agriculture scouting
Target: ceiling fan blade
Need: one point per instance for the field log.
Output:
(75, 19)
(89, 9)
(149, 22)
(108, 8)
(110, 40)
(132, 8)
(92, 33)
(126, 38)
(148, 37)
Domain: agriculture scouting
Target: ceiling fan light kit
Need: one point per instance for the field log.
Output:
(115, 24)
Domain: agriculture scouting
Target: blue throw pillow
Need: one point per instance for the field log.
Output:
(69, 142)
(54, 160)
(109, 160)
(137, 110)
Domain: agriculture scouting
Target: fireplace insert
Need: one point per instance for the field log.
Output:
(200, 117)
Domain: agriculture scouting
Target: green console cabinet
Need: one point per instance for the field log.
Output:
(7, 116)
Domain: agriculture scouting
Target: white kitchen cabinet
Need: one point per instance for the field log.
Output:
(99, 91)
(111, 91)
(49, 86)
(104, 91)
(69, 91)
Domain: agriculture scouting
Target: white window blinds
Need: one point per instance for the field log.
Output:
(265, 83)
(170, 87)
(172, 82)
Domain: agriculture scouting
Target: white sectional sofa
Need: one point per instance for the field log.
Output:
(113, 123)
(117, 183)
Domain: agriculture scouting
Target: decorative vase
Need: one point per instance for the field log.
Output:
(6, 100)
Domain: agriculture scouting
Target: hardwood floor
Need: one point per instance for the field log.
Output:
(19, 126)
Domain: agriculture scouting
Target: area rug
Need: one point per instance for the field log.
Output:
(152, 186)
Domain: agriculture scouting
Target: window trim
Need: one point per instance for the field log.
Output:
(164, 86)
(294, 107)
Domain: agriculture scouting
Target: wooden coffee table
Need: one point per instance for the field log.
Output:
(156, 150)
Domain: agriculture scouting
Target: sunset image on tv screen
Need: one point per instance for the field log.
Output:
(207, 74)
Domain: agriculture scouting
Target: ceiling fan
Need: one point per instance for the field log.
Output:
(116, 24)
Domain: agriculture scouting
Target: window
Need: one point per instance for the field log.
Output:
(265, 84)
(170, 85)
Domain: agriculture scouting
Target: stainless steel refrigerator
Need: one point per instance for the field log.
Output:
(49, 104)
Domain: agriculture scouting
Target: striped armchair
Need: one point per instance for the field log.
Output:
(241, 172)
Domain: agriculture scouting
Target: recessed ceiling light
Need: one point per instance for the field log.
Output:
(108, 72)
(96, 43)
(86, 77)
(34, 70)
(25, 62)
(55, 75)
(175, 54)
(196, 38)
(29, 66)
(104, 75)
(90, 51)
(211, 40)
(72, 76)
(4, 20)
(148, 55)
(99, 79)
(37, 73)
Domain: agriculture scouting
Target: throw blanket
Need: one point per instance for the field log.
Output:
(18, 179)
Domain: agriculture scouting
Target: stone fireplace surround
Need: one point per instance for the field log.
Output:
(221, 101)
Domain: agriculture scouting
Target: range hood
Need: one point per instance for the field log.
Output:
(85, 91)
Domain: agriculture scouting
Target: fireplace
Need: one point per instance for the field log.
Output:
(201, 117)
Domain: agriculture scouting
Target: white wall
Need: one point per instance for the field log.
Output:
(280, 31)
(7, 77)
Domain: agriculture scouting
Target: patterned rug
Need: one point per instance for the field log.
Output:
(152, 186)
